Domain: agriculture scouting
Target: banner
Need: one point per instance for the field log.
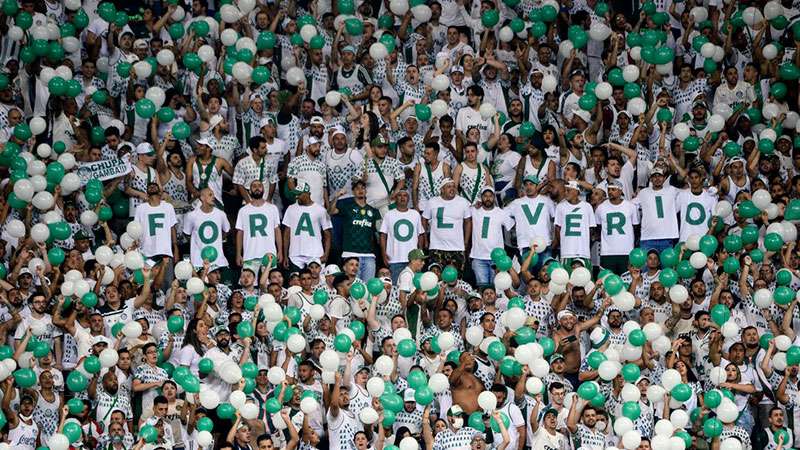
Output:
(103, 170)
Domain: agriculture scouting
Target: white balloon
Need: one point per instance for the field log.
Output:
(108, 358)
(631, 439)
(376, 386)
(502, 281)
(23, 189)
(699, 13)
(195, 286)
(770, 52)
(276, 375)
(58, 442)
(608, 370)
(40, 232)
(487, 401)
(624, 301)
(678, 294)
(70, 183)
(316, 312)
(132, 330)
(636, 106)
(681, 131)
(474, 335)
(67, 160)
(603, 90)
(549, 84)
(295, 76)
(209, 399)
(428, 281)
(15, 228)
(565, 48)
(15, 33)
(487, 111)
(237, 399)
(440, 83)
(716, 123)
(707, 50)
(727, 411)
(44, 151)
(398, 7)
(768, 133)
(368, 415)
(378, 51)
(88, 218)
(229, 37)
(534, 385)
(230, 13)
(506, 34)
(43, 200)
(249, 411)
(143, 69)
(730, 329)
(329, 360)
(670, 378)
(296, 343)
(783, 342)
(204, 439)
(421, 13)
(698, 260)
(772, 10)
(599, 31)
(664, 427)
(307, 32)
(630, 393)
(622, 425)
(717, 375)
(37, 125)
(439, 108)
(409, 443)
(761, 198)
(630, 73)
(559, 276)
(309, 405)
(242, 71)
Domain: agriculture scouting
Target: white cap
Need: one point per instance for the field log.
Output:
(215, 120)
(144, 148)
(331, 269)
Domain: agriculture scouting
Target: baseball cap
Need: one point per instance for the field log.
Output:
(269, 120)
(642, 378)
(349, 48)
(220, 329)
(408, 395)
(556, 356)
(457, 68)
(615, 184)
(584, 115)
(81, 235)
(140, 43)
(455, 410)
(379, 140)
(549, 411)
(531, 178)
(313, 140)
(576, 72)
(570, 134)
(657, 171)
(301, 187)
(316, 120)
(204, 141)
(572, 185)
(145, 148)
(386, 280)
(416, 253)
(446, 181)
(215, 120)
(331, 269)
(25, 271)
(338, 130)
(101, 340)
(564, 313)
(699, 103)
(487, 189)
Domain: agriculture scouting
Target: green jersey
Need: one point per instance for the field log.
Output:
(359, 227)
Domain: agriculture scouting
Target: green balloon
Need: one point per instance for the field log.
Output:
(637, 257)
(105, 214)
(632, 90)
(720, 314)
(496, 350)
(145, 108)
(205, 365)
(407, 348)
(245, 329)
(668, 277)
(56, 256)
(613, 285)
(227, 411)
(72, 431)
(524, 335)
(209, 253)
(731, 265)
(756, 255)
(358, 290)
(375, 286)
(181, 130)
(783, 295)
(490, 18)
(75, 405)
(773, 242)
(637, 338)
(631, 372)
(685, 270)
(354, 27)
(175, 324)
(260, 75)
(317, 42)
(712, 398)
(587, 390)
(548, 13)
(148, 433)
(388, 420)
(595, 359)
(475, 421)
(548, 346)
(681, 392)
(89, 300)
(793, 355)
(766, 146)
(449, 274)
(495, 426)
(423, 112)
(708, 245)
(76, 382)
(578, 36)
(587, 102)
(205, 424)
(249, 370)
(357, 328)
(342, 343)
(417, 378)
(712, 428)
(631, 410)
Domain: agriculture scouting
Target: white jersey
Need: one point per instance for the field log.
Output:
(306, 225)
(402, 230)
(206, 229)
(487, 230)
(659, 217)
(616, 227)
(468, 118)
(23, 436)
(695, 211)
(446, 222)
(575, 222)
(533, 217)
(157, 223)
(259, 226)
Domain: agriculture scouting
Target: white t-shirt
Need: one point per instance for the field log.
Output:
(575, 222)
(659, 212)
(468, 117)
(446, 222)
(157, 223)
(616, 223)
(533, 217)
(306, 224)
(206, 229)
(402, 230)
(259, 225)
(487, 230)
(695, 211)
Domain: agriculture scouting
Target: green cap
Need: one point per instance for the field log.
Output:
(301, 187)
(81, 235)
(532, 178)
(556, 356)
(416, 254)
(570, 134)
(379, 140)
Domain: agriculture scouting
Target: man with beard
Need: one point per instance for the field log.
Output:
(701, 340)
(515, 118)
(464, 385)
(342, 164)
(310, 168)
(568, 338)
(358, 229)
(658, 302)
(490, 222)
(108, 397)
(737, 180)
(471, 117)
(254, 167)
(449, 223)
(516, 430)
(590, 436)
(342, 423)
(258, 230)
